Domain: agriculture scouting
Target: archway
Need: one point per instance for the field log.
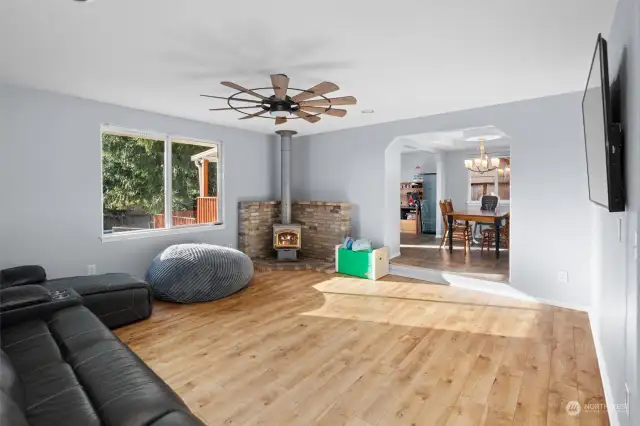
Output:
(449, 150)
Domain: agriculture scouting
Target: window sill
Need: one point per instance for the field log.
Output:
(136, 235)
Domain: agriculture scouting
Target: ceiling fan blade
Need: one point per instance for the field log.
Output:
(242, 89)
(334, 112)
(234, 99)
(264, 111)
(345, 100)
(306, 116)
(281, 120)
(317, 90)
(223, 109)
(280, 84)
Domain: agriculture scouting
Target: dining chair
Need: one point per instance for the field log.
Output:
(460, 232)
(487, 203)
(449, 203)
(489, 237)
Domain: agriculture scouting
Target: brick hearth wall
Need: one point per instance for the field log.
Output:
(255, 223)
(324, 224)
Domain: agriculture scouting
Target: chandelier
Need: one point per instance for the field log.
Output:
(483, 163)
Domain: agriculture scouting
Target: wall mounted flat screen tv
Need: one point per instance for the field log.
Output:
(602, 137)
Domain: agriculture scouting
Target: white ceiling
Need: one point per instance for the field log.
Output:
(457, 140)
(402, 58)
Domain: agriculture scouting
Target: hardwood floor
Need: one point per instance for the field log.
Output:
(308, 348)
(424, 252)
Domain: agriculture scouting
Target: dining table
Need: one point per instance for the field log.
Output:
(495, 217)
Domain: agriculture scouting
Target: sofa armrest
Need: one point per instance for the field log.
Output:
(28, 302)
(178, 418)
(20, 275)
(23, 296)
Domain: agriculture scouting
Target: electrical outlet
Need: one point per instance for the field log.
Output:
(91, 269)
(563, 277)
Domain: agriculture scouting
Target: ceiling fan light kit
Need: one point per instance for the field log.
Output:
(307, 104)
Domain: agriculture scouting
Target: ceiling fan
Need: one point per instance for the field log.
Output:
(281, 107)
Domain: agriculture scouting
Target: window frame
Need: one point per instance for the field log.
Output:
(469, 191)
(169, 228)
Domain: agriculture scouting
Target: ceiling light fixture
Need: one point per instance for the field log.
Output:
(279, 113)
(483, 163)
(279, 110)
(368, 111)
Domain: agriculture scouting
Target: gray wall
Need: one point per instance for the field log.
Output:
(409, 161)
(615, 267)
(349, 166)
(457, 178)
(50, 181)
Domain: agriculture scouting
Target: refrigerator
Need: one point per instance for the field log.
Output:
(429, 205)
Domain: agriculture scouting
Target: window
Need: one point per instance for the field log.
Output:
(138, 189)
(496, 182)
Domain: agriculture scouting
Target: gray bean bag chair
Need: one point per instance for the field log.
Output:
(187, 273)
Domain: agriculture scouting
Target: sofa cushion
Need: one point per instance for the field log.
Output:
(75, 330)
(52, 393)
(10, 413)
(54, 396)
(10, 383)
(29, 345)
(123, 389)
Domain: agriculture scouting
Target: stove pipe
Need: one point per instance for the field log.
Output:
(285, 179)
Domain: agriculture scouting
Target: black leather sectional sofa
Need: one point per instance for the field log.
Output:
(117, 299)
(61, 365)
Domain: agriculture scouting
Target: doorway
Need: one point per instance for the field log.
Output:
(433, 169)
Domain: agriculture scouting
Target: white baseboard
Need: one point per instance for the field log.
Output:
(563, 304)
(614, 420)
(392, 255)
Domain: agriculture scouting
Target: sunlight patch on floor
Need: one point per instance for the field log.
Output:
(426, 305)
